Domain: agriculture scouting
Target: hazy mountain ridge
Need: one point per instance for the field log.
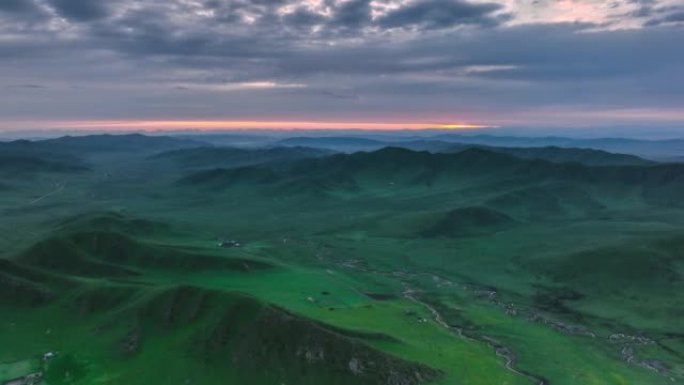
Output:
(553, 153)
(586, 156)
(529, 188)
(77, 146)
(236, 157)
(108, 143)
(390, 162)
(652, 149)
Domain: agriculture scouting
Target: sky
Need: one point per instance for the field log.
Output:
(550, 65)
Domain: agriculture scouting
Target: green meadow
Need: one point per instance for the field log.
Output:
(391, 267)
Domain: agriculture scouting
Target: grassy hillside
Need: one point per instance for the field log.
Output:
(509, 183)
(388, 267)
(467, 221)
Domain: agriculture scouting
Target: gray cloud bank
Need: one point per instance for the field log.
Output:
(330, 59)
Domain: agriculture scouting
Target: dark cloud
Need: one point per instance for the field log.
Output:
(21, 11)
(301, 17)
(132, 53)
(18, 6)
(644, 8)
(81, 10)
(442, 14)
(672, 15)
(142, 33)
(352, 14)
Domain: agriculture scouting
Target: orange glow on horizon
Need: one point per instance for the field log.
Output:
(208, 125)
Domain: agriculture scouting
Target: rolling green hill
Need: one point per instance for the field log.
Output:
(260, 342)
(215, 266)
(508, 182)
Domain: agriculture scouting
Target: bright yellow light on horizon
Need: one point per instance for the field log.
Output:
(461, 126)
(161, 125)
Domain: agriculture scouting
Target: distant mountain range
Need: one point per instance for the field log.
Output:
(660, 150)
(652, 149)
(609, 151)
(555, 154)
(558, 154)
(355, 144)
(111, 143)
(83, 145)
(73, 153)
(513, 185)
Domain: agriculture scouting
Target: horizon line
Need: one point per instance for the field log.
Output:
(217, 125)
(36, 128)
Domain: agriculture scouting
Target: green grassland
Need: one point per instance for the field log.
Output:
(391, 267)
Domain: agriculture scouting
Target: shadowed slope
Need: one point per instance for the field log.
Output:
(20, 285)
(653, 265)
(479, 171)
(114, 222)
(469, 221)
(245, 338)
(109, 254)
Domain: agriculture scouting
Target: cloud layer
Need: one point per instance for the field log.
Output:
(390, 60)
